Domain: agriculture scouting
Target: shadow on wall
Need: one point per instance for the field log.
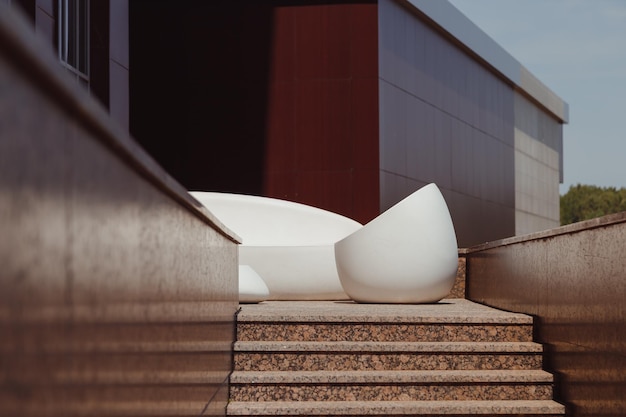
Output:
(199, 90)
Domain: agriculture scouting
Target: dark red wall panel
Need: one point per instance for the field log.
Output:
(323, 110)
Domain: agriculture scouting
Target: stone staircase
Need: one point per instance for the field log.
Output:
(341, 358)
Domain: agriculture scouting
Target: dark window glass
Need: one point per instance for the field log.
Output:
(74, 36)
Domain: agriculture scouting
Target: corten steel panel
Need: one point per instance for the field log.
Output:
(323, 31)
(364, 181)
(310, 134)
(444, 119)
(363, 41)
(329, 105)
(117, 294)
(281, 185)
(326, 189)
(364, 123)
(284, 54)
(573, 280)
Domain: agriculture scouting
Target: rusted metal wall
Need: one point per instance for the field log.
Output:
(573, 280)
(117, 290)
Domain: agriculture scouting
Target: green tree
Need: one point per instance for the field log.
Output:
(584, 202)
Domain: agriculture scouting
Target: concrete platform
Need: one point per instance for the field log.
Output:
(455, 310)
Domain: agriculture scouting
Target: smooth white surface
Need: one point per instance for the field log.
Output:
(408, 254)
(263, 221)
(290, 245)
(252, 288)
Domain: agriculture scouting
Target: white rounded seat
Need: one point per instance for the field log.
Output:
(252, 288)
(408, 254)
(290, 245)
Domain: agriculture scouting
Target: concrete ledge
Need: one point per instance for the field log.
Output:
(445, 311)
(583, 226)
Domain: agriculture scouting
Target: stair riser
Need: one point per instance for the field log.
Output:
(483, 392)
(304, 361)
(395, 408)
(383, 332)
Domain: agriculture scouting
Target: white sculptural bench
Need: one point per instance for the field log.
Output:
(408, 254)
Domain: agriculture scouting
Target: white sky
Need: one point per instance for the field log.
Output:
(578, 49)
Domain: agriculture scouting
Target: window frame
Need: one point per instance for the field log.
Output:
(73, 48)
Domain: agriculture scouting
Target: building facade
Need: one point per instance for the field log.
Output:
(348, 105)
(458, 110)
(91, 40)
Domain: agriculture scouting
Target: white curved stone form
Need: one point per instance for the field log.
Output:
(290, 245)
(252, 288)
(408, 254)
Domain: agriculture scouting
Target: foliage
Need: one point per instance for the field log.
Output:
(583, 202)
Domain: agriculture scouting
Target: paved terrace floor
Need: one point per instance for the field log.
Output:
(455, 310)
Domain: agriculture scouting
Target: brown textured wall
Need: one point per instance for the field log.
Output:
(117, 290)
(322, 141)
(573, 280)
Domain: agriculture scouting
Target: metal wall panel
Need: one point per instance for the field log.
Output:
(324, 55)
(538, 168)
(444, 118)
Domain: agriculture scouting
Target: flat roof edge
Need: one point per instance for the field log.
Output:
(455, 23)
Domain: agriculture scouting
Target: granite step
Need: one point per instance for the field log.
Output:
(391, 385)
(331, 358)
(390, 408)
(348, 356)
(454, 320)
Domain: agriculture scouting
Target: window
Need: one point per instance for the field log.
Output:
(74, 37)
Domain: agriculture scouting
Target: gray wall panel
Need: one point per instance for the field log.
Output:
(446, 118)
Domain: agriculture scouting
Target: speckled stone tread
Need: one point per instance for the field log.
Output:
(456, 310)
(381, 332)
(454, 320)
(390, 408)
(414, 347)
(391, 385)
(390, 377)
(320, 356)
